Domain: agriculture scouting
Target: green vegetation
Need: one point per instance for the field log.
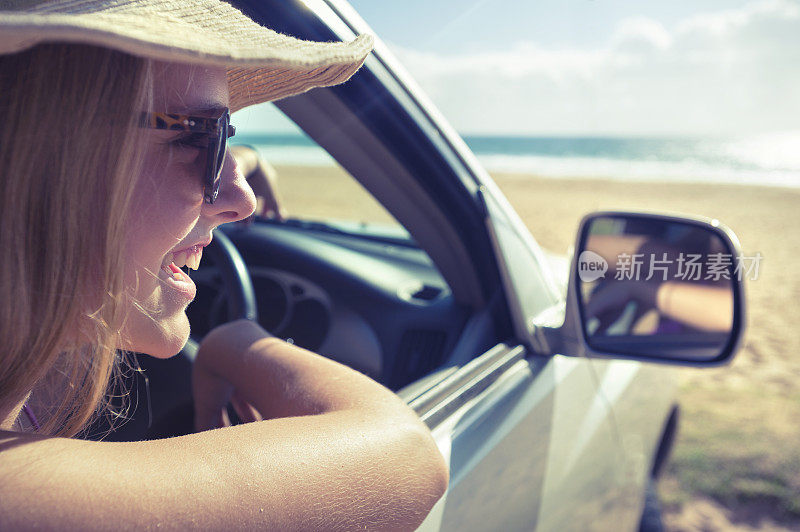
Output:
(739, 446)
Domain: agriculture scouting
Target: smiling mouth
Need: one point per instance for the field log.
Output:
(189, 257)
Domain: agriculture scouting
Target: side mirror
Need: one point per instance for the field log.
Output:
(655, 288)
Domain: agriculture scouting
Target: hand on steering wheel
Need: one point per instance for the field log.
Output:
(212, 394)
(609, 301)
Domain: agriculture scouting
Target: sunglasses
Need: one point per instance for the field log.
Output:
(217, 128)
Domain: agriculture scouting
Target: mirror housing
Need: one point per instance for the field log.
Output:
(655, 288)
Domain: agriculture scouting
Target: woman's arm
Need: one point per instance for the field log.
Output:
(263, 179)
(351, 455)
(705, 307)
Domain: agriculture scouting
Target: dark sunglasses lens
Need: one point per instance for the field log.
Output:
(216, 158)
(221, 149)
(212, 180)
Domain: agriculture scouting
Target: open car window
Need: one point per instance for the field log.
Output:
(311, 185)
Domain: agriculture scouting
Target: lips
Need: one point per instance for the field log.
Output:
(173, 262)
(180, 282)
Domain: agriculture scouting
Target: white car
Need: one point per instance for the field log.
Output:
(549, 391)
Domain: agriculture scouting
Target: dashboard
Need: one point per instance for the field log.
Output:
(376, 304)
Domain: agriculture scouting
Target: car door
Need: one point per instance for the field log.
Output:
(528, 443)
(529, 438)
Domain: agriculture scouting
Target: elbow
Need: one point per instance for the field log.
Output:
(432, 472)
(399, 485)
(418, 479)
(439, 472)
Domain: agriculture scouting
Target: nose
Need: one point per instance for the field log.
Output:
(236, 199)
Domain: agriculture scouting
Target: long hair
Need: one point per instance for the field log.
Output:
(69, 146)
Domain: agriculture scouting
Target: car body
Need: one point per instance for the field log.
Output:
(451, 317)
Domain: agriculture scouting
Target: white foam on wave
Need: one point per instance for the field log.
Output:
(768, 160)
(637, 170)
(778, 150)
(289, 155)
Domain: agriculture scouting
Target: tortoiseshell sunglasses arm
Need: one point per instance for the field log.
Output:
(175, 122)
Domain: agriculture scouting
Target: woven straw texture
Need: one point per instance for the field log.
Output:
(262, 64)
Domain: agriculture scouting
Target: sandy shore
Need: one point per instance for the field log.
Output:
(766, 220)
(740, 425)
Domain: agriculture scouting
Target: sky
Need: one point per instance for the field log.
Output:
(698, 67)
(600, 67)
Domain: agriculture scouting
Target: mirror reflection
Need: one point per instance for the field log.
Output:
(651, 286)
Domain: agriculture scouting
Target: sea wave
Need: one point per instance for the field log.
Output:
(292, 155)
(637, 170)
(770, 159)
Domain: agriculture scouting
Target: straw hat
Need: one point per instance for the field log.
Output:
(262, 64)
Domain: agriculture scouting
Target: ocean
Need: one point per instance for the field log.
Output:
(770, 159)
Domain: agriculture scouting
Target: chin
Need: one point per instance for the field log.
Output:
(159, 339)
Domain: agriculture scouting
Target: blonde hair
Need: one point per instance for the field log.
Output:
(68, 157)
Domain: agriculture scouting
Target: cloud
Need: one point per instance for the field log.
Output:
(640, 34)
(755, 15)
(727, 72)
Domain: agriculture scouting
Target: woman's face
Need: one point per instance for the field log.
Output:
(169, 215)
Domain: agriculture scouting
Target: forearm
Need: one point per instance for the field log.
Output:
(282, 380)
(335, 471)
(341, 453)
(705, 307)
(355, 453)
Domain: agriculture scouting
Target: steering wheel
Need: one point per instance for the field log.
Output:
(620, 310)
(168, 381)
(239, 291)
(238, 286)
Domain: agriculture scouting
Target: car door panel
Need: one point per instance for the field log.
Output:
(531, 448)
(641, 396)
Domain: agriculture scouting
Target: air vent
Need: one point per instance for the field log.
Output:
(418, 292)
(419, 353)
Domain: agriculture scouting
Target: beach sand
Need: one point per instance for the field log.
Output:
(736, 465)
(737, 461)
(766, 220)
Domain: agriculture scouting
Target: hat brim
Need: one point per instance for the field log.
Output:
(262, 65)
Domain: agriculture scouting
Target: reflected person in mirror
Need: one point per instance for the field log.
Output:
(662, 305)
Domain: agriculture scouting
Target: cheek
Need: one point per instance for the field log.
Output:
(172, 180)
(162, 215)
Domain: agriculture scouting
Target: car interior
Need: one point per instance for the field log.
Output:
(406, 307)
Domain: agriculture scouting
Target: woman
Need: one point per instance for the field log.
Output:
(114, 173)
